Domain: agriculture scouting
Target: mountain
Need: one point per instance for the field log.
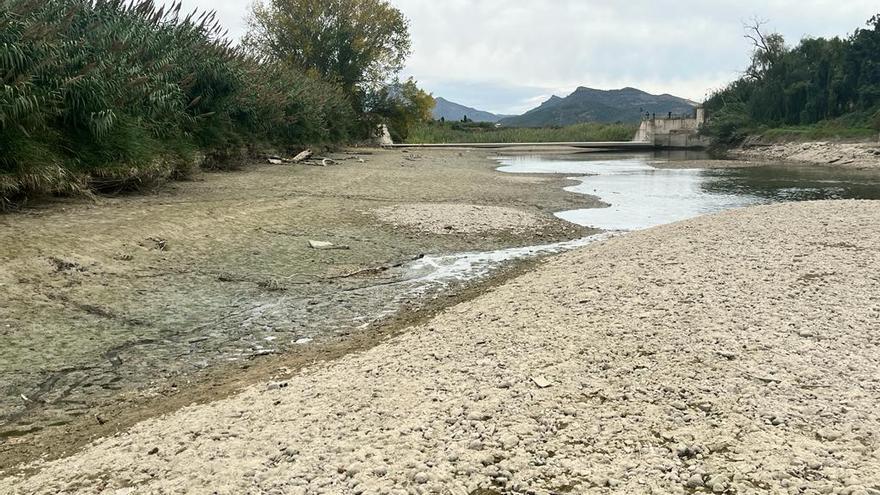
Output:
(455, 112)
(596, 105)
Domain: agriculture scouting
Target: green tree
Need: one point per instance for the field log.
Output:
(402, 106)
(833, 82)
(357, 43)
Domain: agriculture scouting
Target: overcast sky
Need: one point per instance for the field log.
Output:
(507, 56)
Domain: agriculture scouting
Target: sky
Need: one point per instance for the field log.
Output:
(507, 56)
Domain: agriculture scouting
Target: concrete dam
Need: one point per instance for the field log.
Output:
(665, 132)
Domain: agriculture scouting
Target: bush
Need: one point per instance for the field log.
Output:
(114, 95)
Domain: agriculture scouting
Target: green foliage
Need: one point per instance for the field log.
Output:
(825, 130)
(357, 43)
(118, 94)
(459, 132)
(402, 106)
(831, 81)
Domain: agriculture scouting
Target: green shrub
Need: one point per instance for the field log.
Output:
(113, 95)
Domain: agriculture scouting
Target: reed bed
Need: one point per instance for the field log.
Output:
(437, 133)
(117, 94)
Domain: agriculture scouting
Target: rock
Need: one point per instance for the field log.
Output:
(320, 245)
(509, 441)
(153, 451)
(695, 481)
(728, 355)
(478, 416)
(421, 478)
(276, 385)
(681, 406)
(323, 245)
(829, 434)
(541, 382)
(717, 483)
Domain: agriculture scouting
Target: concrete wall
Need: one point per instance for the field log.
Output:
(674, 132)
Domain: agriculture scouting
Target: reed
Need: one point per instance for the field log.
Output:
(117, 94)
(456, 132)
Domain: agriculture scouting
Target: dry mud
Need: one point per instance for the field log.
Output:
(734, 353)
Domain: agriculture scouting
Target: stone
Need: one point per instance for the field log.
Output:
(541, 382)
(478, 416)
(320, 245)
(695, 481)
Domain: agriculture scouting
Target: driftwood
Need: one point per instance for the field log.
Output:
(301, 156)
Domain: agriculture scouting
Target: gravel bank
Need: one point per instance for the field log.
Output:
(849, 155)
(459, 218)
(734, 353)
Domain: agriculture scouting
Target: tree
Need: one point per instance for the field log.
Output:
(402, 105)
(357, 43)
(768, 49)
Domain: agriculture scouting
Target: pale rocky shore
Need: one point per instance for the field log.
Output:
(734, 353)
(848, 155)
(459, 219)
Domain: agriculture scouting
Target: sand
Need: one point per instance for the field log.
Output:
(734, 353)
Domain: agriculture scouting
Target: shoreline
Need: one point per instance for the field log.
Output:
(237, 247)
(856, 155)
(729, 353)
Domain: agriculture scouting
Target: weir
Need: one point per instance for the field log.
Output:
(673, 131)
(665, 132)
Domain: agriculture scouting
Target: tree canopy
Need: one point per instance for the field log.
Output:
(402, 105)
(356, 43)
(815, 81)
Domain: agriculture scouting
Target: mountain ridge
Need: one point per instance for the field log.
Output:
(596, 105)
(455, 112)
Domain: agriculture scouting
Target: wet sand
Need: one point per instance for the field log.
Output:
(733, 353)
(117, 310)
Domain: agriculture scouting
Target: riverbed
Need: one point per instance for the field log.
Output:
(122, 328)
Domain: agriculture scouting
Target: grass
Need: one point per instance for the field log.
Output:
(438, 133)
(818, 132)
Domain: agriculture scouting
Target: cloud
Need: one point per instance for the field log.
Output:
(506, 55)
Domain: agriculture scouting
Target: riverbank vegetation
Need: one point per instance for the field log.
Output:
(819, 89)
(473, 132)
(113, 95)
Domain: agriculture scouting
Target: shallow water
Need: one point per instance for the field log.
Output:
(641, 193)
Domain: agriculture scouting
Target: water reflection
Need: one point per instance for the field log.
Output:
(641, 193)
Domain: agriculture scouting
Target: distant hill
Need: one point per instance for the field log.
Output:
(596, 105)
(454, 112)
